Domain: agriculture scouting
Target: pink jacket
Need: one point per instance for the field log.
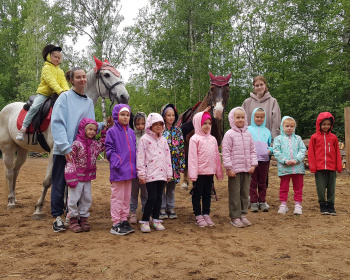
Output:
(153, 160)
(203, 153)
(238, 149)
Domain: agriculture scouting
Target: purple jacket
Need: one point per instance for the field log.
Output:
(121, 149)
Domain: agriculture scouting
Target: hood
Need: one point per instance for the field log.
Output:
(172, 106)
(320, 118)
(115, 114)
(81, 129)
(151, 119)
(197, 119)
(267, 95)
(231, 118)
(253, 124)
(137, 116)
(281, 126)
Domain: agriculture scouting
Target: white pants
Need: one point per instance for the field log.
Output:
(80, 194)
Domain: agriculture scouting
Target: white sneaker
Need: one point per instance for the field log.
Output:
(298, 209)
(20, 135)
(283, 209)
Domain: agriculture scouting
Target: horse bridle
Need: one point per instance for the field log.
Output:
(109, 88)
(210, 103)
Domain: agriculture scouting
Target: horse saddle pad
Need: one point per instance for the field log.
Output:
(44, 124)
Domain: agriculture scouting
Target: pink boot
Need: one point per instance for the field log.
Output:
(200, 221)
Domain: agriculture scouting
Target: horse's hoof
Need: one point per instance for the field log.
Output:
(11, 206)
(38, 216)
(184, 186)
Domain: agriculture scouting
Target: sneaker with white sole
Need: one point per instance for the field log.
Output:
(237, 223)
(20, 135)
(58, 225)
(157, 224)
(298, 209)
(245, 221)
(119, 229)
(283, 209)
(208, 220)
(172, 214)
(254, 207)
(145, 226)
(263, 207)
(163, 215)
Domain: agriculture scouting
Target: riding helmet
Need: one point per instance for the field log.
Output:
(49, 49)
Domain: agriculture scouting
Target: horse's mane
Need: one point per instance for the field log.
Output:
(91, 79)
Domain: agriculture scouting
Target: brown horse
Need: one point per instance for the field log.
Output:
(215, 100)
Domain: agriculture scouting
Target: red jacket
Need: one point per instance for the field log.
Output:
(324, 152)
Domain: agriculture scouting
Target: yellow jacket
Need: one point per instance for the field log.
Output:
(52, 79)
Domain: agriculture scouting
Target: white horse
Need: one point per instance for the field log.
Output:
(104, 83)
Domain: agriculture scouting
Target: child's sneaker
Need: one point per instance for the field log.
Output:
(133, 219)
(254, 207)
(298, 209)
(324, 209)
(58, 225)
(283, 209)
(200, 221)
(237, 223)
(172, 214)
(163, 215)
(263, 207)
(208, 220)
(128, 227)
(331, 209)
(157, 224)
(74, 225)
(119, 229)
(245, 221)
(145, 226)
(21, 133)
(84, 224)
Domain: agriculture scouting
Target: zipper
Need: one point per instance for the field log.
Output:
(325, 151)
(127, 139)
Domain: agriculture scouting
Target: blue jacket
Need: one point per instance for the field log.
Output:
(70, 108)
(121, 149)
(262, 138)
(289, 147)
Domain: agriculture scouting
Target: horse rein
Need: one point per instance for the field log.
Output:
(100, 76)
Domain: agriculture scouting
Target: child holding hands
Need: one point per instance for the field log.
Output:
(175, 140)
(262, 140)
(80, 171)
(289, 151)
(324, 160)
(240, 160)
(203, 162)
(153, 169)
(121, 154)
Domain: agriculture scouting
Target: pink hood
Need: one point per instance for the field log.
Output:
(203, 157)
(151, 119)
(231, 119)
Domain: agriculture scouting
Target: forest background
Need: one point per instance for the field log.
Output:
(302, 47)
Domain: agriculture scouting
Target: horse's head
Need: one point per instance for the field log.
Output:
(218, 94)
(110, 83)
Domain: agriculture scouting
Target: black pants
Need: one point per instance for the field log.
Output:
(58, 185)
(154, 200)
(202, 189)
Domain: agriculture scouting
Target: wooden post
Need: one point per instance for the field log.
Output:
(347, 136)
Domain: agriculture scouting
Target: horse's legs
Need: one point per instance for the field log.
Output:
(38, 213)
(20, 160)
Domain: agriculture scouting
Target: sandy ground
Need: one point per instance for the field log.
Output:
(309, 246)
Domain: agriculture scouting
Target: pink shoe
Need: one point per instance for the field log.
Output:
(200, 221)
(237, 223)
(245, 221)
(208, 220)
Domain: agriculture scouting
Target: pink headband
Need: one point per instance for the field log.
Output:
(205, 116)
(167, 109)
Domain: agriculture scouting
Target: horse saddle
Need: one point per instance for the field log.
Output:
(188, 114)
(40, 122)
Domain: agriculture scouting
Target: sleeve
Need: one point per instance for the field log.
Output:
(49, 77)
(275, 119)
(277, 152)
(253, 156)
(111, 153)
(301, 151)
(311, 156)
(59, 126)
(141, 160)
(182, 151)
(226, 151)
(193, 160)
(169, 168)
(63, 81)
(219, 172)
(339, 164)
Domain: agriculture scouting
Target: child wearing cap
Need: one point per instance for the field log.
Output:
(52, 81)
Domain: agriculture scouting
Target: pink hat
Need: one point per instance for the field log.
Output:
(205, 116)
